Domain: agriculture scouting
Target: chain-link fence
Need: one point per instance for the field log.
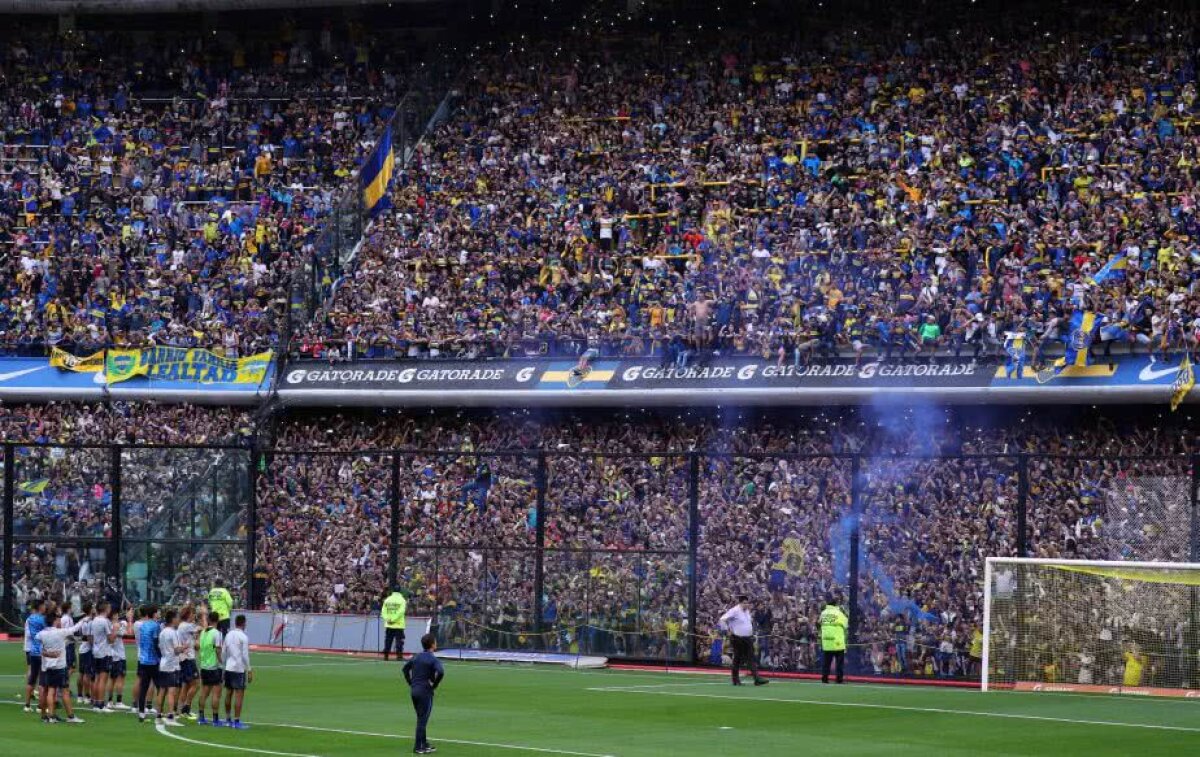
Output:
(623, 555)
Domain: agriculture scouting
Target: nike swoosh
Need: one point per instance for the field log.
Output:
(1149, 374)
(15, 374)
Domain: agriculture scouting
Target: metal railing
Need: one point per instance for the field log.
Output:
(622, 555)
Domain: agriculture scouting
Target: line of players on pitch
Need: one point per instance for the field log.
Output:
(181, 653)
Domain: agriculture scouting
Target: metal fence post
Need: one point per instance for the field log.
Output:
(394, 529)
(693, 551)
(1194, 555)
(114, 556)
(252, 594)
(6, 603)
(1023, 505)
(856, 505)
(1194, 593)
(539, 554)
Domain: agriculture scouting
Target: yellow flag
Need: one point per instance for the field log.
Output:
(1184, 381)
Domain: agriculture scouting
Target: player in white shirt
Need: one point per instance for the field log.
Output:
(66, 621)
(120, 666)
(167, 678)
(87, 663)
(235, 651)
(189, 675)
(103, 636)
(54, 676)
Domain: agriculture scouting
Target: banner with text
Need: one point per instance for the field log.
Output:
(1128, 378)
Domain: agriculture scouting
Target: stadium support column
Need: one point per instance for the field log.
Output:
(856, 515)
(394, 527)
(1022, 505)
(539, 555)
(6, 602)
(693, 548)
(113, 559)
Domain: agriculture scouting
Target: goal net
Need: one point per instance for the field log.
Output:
(1091, 626)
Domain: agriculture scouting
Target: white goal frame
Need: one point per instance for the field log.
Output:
(987, 589)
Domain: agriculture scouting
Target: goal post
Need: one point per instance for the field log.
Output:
(1091, 626)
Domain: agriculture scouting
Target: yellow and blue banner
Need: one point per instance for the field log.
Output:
(65, 360)
(376, 173)
(184, 364)
(1185, 379)
(564, 376)
(167, 364)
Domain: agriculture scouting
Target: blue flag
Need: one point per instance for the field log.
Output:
(377, 173)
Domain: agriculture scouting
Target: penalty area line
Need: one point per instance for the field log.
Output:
(167, 732)
(514, 747)
(897, 707)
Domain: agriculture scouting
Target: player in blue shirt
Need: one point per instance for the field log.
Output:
(423, 673)
(148, 630)
(34, 624)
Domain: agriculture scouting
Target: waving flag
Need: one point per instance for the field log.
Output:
(1083, 330)
(1184, 381)
(1111, 269)
(377, 172)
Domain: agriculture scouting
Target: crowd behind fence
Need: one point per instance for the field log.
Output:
(621, 555)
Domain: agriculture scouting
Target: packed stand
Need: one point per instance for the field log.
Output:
(775, 517)
(874, 193)
(164, 193)
(66, 491)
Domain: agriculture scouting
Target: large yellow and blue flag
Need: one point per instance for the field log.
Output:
(1112, 269)
(36, 486)
(1084, 324)
(377, 173)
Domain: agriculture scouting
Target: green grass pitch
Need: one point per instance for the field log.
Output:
(304, 704)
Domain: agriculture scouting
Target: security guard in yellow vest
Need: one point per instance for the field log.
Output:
(394, 607)
(833, 638)
(220, 601)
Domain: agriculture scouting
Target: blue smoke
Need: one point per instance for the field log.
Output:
(839, 545)
(900, 428)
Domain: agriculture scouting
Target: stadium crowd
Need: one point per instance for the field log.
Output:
(163, 192)
(775, 508)
(634, 196)
(765, 196)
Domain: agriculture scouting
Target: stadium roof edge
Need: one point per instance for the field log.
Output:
(85, 7)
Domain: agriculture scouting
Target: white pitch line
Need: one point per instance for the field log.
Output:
(348, 732)
(166, 732)
(312, 664)
(658, 686)
(870, 706)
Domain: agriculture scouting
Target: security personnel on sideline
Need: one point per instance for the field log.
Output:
(423, 673)
(220, 601)
(833, 638)
(393, 613)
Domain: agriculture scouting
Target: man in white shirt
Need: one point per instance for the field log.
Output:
(103, 636)
(54, 678)
(188, 673)
(119, 666)
(740, 625)
(235, 651)
(167, 678)
(87, 663)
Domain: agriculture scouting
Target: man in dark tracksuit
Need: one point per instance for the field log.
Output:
(423, 673)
